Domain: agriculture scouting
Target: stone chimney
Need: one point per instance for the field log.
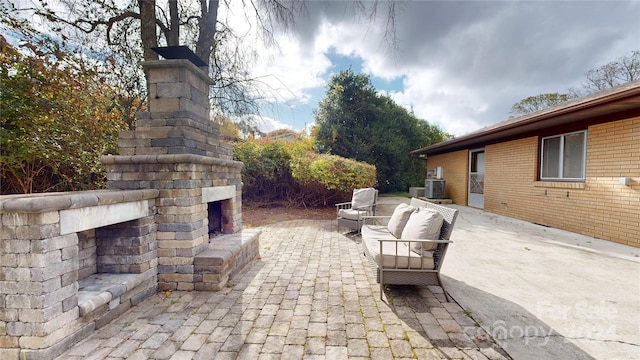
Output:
(176, 149)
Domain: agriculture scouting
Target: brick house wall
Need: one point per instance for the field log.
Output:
(599, 207)
(455, 166)
(510, 174)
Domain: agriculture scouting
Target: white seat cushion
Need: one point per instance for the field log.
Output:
(395, 254)
(399, 219)
(351, 214)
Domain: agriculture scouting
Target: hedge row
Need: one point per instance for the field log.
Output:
(291, 174)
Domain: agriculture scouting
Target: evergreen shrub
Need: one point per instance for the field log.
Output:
(291, 174)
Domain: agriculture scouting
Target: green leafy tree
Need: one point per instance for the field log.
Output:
(345, 115)
(57, 118)
(354, 121)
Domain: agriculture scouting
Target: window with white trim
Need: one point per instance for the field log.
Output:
(563, 157)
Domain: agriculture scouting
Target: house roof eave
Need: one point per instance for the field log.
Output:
(621, 99)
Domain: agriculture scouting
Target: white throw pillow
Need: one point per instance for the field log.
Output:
(424, 223)
(362, 198)
(399, 219)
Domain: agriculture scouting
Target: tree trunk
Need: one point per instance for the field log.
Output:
(209, 15)
(148, 28)
(173, 36)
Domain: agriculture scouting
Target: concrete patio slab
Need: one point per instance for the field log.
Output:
(544, 293)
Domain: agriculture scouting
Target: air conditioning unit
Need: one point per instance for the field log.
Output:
(434, 189)
(416, 192)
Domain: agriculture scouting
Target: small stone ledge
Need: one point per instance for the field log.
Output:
(169, 159)
(37, 203)
(58, 348)
(225, 256)
(98, 290)
(176, 63)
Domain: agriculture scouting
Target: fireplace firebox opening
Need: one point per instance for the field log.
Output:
(214, 210)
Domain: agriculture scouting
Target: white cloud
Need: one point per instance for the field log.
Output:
(290, 72)
(266, 124)
(448, 105)
(463, 63)
(286, 71)
(263, 123)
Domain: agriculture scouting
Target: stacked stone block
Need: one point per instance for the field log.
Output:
(178, 120)
(87, 262)
(38, 272)
(129, 247)
(230, 254)
(182, 217)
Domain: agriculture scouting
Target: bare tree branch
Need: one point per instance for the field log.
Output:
(620, 71)
(131, 28)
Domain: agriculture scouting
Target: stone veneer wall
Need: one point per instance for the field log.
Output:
(87, 261)
(40, 265)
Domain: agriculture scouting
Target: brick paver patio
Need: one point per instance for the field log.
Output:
(312, 295)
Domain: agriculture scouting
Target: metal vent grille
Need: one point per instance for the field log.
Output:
(434, 188)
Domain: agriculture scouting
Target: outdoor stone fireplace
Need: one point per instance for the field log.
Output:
(176, 149)
(72, 262)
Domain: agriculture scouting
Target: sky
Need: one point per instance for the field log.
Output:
(460, 65)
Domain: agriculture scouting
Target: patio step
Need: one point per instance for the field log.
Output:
(225, 257)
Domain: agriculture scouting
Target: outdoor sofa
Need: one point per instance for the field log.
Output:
(408, 247)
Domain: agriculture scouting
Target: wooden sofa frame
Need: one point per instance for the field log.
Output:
(409, 275)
